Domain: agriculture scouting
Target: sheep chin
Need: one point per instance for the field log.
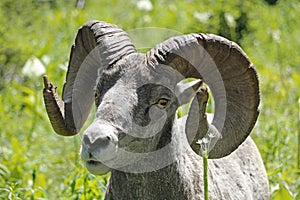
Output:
(96, 167)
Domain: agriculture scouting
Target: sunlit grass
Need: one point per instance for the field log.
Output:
(37, 164)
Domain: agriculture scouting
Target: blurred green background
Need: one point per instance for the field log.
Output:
(35, 163)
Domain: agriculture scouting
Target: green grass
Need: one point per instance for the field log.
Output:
(35, 163)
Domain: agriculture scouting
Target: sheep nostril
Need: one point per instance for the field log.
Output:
(86, 140)
(91, 143)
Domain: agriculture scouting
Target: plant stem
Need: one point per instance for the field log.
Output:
(299, 133)
(205, 167)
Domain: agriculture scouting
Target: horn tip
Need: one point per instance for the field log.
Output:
(47, 83)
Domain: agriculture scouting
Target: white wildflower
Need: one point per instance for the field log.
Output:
(276, 35)
(230, 20)
(208, 142)
(202, 17)
(64, 66)
(147, 18)
(145, 5)
(45, 59)
(33, 67)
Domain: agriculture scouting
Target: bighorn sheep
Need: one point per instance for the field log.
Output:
(137, 134)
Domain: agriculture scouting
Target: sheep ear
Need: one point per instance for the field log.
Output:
(185, 90)
(200, 133)
(98, 45)
(230, 75)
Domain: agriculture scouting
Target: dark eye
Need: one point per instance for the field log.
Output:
(162, 103)
(96, 96)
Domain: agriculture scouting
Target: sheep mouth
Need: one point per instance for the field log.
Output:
(93, 162)
(96, 167)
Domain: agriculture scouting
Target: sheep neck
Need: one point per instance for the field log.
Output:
(175, 181)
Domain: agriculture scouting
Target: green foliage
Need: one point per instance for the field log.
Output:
(37, 164)
(281, 193)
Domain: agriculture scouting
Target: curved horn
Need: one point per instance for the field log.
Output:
(97, 45)
(232, 78)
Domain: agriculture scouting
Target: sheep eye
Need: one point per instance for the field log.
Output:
(162, 103)
(96, 96)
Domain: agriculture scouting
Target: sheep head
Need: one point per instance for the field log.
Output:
(137, 95)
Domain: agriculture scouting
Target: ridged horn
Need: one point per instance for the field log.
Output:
(232, 78)
(98, 45)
